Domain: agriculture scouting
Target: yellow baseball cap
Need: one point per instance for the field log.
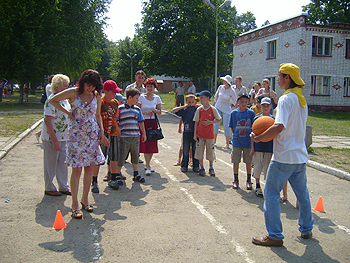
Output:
(293, 71)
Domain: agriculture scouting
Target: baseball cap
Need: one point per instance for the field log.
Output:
(266, 100)
(204, 93)
(243, 95)
(293, 71)
(227, 78)
(111, 85)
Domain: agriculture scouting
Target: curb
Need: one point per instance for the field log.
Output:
(321, 167)
(13, 143)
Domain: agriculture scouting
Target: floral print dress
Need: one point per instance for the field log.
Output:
(82, 145)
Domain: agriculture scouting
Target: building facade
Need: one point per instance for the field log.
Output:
(321, 52)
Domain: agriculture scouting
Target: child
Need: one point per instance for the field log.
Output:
(205, 116)
(109, 114)
(130, 117)
(186, 113)
(262, 151)
(241, 120)
(257, 107)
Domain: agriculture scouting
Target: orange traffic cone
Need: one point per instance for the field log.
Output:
(59, 222)
(319, 205)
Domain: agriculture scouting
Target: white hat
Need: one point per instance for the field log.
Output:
(227, 78)
(266, 100)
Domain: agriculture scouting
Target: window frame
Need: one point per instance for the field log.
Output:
(347, 48)
(346, 87)
(314, 85)
(268, 54)
(316, 46)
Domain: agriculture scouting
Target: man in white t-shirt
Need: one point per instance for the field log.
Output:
(191, 89)
(289, 158)
(140, 77)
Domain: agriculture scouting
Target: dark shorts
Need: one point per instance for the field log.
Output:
(112, 151)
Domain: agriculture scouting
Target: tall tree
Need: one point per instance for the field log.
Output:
(328, 11)
(120, 66)
(180, 35)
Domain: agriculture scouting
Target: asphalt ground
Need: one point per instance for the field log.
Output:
(173, 217)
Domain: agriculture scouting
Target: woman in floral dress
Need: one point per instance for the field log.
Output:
(85, 133)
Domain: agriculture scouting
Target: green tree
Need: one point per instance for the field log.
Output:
(325, 12)
(41, 37)
(180, 35)
(120, 66)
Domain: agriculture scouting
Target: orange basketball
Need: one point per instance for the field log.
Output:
(261, 124)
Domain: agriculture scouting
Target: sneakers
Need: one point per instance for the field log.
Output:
(148, 172)
(235, 185)
(249, 186)
(258, 192)
(178, 163)
(308, 236)
(95, 188)
(113, 184)
(196, 170)
(211, 172)
(107, 177)
(201, 172)
(266, 241)
(184, 169)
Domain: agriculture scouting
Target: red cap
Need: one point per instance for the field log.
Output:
(112, 86)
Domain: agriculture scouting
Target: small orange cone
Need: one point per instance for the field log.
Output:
(319, 205)
(59, 221)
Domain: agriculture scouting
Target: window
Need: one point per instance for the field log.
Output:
(346, 87)
(347, 52)
(320, 85)
(321, 46)
(271, 49)
(272, 82)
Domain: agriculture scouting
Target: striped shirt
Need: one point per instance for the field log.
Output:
(129, 118)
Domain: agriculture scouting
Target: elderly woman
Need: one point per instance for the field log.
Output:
(268, 92)
(224, 99)
(150, 105)
(54, 136)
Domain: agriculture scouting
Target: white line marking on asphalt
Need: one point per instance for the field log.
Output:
(164, 145)
(347, 230)
(239, 249)
(95, 235)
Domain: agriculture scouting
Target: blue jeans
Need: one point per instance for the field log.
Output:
(187, 142)
(226, 119)
(277, 176)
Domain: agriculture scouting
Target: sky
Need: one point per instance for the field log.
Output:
(124, 14)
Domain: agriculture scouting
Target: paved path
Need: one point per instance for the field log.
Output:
(338, 142)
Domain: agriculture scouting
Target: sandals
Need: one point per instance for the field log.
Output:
(226, 147)
(88, 208)
(178, 163)
(139, 179)
(283, 200)
(77, 214)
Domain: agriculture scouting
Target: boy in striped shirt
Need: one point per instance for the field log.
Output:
(130, 117)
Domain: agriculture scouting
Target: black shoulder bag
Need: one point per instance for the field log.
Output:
(154, 135)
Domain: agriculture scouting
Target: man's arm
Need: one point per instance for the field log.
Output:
(271, 132)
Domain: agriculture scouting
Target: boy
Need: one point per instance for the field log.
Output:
(241, 120)
(186, 112)
(109, 114)
(257, 107)
(129, 119)
(262, 151)
(204, 118)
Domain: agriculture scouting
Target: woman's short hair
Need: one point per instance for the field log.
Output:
(58, 80)
(90, 77)
(150, 81)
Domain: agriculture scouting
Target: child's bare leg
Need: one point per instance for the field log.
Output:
(86, 184)
(284, 196)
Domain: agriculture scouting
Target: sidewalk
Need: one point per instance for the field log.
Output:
(340, 142)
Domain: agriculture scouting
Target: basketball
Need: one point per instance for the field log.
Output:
(261, 124)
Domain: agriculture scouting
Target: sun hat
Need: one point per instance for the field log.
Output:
(227, 78)
(293, 71)
(266, 100)
(204, 93)
(112, 86)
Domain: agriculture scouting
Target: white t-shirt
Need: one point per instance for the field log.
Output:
(240, 91)
(60, 121)
(149, 105)
(289, 146)
(48, 90)
(224, 98)
(192, 89)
